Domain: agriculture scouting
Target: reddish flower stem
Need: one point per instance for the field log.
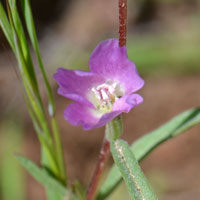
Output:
(103, 157)
(122, 22)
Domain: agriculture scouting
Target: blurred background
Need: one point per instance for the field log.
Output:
(163, 41)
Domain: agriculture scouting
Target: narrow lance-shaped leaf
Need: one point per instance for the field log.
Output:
(30, 84)
(51, 107)
(43, 177)
(23, 58)
(25, 64)
(35, 103)
(18, 32)
(144, 145)
(26, 81)
(5, 26)
(134, 178)
(32, 33)
(45, 143)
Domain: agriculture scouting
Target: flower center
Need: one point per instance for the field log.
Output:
(104, 95)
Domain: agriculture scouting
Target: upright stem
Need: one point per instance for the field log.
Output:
(104, 153)
(122, 22)
(105, 149)
(59, 151)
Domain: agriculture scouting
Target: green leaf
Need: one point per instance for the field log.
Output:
(26, 67)
(114, 129)
(5, 26)
(26, 7)
(127, 164)
(24, 59)
(21, 40)
(144, 145)
(32, 33)
(43, 177)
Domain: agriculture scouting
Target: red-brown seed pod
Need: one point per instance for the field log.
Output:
(122, 22)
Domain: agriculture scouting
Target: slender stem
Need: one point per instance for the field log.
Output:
(122, 22)
(103, 157)
(59, 151)
(105, 149)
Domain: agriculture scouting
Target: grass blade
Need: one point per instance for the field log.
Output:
(143, 146)
(127, 164)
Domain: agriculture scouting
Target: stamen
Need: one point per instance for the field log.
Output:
(104, 95)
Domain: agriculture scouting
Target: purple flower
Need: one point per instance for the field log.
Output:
(103, 93)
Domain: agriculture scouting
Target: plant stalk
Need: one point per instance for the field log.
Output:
(103, 157)
(59, 151)
(105, 149)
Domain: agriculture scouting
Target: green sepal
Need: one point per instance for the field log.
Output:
(114, 129)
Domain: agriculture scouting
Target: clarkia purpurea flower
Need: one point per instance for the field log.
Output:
(103, 93)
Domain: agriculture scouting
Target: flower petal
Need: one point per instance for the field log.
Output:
(124, 104)
(79, 114)
(111, 61)
(105, 119)
(75, 84)
(127, 102)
